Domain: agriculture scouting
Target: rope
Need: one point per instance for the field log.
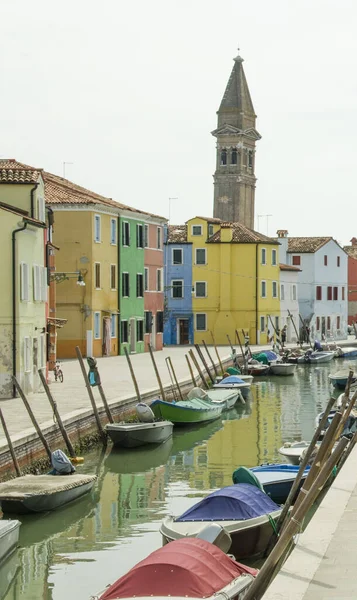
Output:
(273, 524)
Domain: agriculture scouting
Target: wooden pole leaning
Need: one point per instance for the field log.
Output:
(9, 443)
(210, 357)
(132, 373)
(218, 357)
(168, 360)
(58, 416)
(194, 360)
(200, 354)
(32, 417)
(264, 577)
(105, 403)
(191, 371)
(91, 396)
(241, 349)
(296, 331)
(157, 373)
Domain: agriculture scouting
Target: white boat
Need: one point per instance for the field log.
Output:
(320, 357)
(280, 368)
(234, 382)
(293, 451)
(339, 378)
(9, 537)
(148, 431)
(227, 398)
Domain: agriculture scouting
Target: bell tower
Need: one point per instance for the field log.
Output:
(234, 178)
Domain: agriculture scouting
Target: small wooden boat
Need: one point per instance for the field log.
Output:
(234, 382)
(40, 493)
(319, 356)
(347, 352)
(244, 511)
(339, 379)
(281, 368)
(277, 479)
(185, 569)
(227, 398)
(9, 537)
(132, 435)
(258, 369)
(195, 410)
(293, 451)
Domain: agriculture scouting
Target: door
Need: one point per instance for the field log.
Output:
(132, 335)
(183, 331)
(153, 332)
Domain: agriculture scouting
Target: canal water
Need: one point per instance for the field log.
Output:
(76, 551)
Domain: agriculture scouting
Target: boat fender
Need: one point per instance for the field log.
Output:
(144, 413)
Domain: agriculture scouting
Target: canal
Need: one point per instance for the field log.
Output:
(76, 551)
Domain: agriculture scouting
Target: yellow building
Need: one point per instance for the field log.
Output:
(24, 281)
(235, 277)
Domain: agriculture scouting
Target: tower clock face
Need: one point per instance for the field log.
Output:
(223, 199)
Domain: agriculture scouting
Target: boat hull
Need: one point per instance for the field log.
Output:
(321, 357)
(228, 397)
(186, 415)
(9, 537)
(283, 369)
(133, 435)
(277, 480)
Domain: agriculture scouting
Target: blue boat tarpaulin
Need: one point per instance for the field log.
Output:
(231, 379)
(233, 503)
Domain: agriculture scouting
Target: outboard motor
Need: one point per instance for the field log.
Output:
(217, 535)
(144, 413)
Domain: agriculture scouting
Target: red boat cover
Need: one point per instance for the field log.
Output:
(185, 567)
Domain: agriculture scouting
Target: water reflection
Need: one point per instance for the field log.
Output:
(76, 551)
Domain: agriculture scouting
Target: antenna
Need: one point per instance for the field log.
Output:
(267, 218)
(64, 167)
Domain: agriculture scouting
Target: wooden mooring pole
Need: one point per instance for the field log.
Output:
(191, 370)
(296, 331)
(91, 396)
(132, 373)
(200, 354)
(169, 361)
(195, 362)
(210, 357)
(157, 373)
(11, 447)
(218, 357)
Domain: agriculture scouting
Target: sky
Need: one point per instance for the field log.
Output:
(126, 94)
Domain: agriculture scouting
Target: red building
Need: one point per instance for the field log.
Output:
(154, 283)
(352, 281)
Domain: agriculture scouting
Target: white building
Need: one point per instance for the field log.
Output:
(322, 284)
(289, 293)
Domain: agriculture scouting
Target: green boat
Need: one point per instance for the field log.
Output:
(185, 412)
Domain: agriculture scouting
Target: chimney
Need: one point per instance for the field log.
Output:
(283, 248)
(226, 232)
(354, 241)
(282, 233)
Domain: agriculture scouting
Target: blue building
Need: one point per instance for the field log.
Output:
(178, 316)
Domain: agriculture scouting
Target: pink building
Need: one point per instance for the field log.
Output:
(154, 283)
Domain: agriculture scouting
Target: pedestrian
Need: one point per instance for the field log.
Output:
(283, 335)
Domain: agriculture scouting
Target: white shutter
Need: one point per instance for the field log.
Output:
(27, 354)
(43, 290)
(41, 209)
(36, 283)
(24, 282)
(42, 351)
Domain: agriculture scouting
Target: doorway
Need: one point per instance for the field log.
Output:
(153, 332)
(132, 335)
(183, 332)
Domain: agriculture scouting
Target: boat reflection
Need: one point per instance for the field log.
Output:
(138, 460)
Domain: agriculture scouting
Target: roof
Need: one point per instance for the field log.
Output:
(351, 251)
(237, 94)
(177, 234)
(243, 235)
(307, 244)
(284, 267)
(209, 219)
(12, 171)
(61, 191)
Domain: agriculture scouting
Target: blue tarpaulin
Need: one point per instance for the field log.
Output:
(233, 503)
(231, 379)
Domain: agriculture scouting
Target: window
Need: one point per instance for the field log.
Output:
(250, 159)
(27, 354)
(262, 324)
(201, 289)
(126, 233)
(200, 256)
(234, 157)
(96, 325)
(124, 332)
(329, 293)
(97, 276)
(335, 293)
(201, 322)
(97, 228)
(139, 330)
(177, 288)
(338, 322)
(146, 236)
(24, 282)
(325, 260)
(113, 277)
(159, 321)
(196, 229)
(277, 323)
(41, 211)
(297, 261)
(159, 280)
(343, 293)
(273, 258)
(148, 321)
(177, 256)
(146, 279)
(338, 263)
(294, 292)
(282, 292)
(36, 283)
(113, 326)
(264, 256)
(275, 289)
(113, 231)
(317, 323)
(159, 238)
(263, 289)
(139, 236)
(139, 285)
(125, 284)
(328, 324)
(210, 230)
(318, 292)
(223, 157)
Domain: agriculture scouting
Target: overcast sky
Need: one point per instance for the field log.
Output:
(128, 93)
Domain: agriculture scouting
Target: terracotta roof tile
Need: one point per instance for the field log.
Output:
(12, 171)
(177, 234)
(243, 235)
(351, 251)
(209, 219)
(284, 267)
(307, 244)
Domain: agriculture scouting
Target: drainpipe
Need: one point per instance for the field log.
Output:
(256, 292)
(33, 200)
(14, 299)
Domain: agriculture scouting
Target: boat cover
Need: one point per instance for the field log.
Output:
(265, 357)
(231, 379)
(233, 503)
(186, 567)
(189, 404)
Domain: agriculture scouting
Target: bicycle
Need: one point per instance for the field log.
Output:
(58, 372)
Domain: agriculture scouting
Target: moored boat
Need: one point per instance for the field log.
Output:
(234, 382)
(227, 398)
(245, 512)
(276, 479)
(281, 368)
(195, 410)
(258, 369)
(9, 537)
(293, 451)
(339, 378)
(186, 568)
(320, 356)
(132, 435)
(346, 352)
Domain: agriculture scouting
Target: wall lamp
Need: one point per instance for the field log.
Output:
(58, 277)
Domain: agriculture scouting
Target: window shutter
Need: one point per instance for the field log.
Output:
(160, 321)
(24, 281)
(27, 353)
(43, 284)
(36, 283)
